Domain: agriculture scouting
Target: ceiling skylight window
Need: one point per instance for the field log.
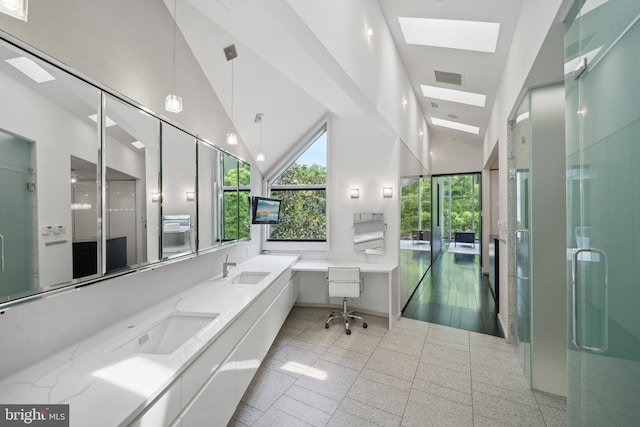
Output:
(456, 126)
(32, 70)
(16, 8)
(589, 5)
(466, 35)
(452, 95)
(108, 120)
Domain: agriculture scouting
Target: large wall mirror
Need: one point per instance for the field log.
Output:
(92, 186)
(178, 194)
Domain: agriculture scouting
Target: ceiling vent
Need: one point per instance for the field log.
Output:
(434, 105)
(448, 78)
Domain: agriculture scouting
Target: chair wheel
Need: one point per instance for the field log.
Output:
(364, 325)
(326, 326)
(348, 331)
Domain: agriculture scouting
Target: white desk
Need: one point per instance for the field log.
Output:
(380, 295)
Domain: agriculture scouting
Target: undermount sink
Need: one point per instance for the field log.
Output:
(249, 277)
(168, 334)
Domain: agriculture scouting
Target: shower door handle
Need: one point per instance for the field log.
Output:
(2, 255)
(516, 257)
(574, 301)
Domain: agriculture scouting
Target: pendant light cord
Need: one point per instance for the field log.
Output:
(175, 24)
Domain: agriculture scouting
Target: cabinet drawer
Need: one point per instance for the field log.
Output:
(164, 410)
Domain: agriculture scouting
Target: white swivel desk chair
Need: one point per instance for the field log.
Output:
(344, 282)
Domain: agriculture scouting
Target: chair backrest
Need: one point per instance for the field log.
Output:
(344, 282)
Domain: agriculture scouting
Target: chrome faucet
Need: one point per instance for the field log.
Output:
(225, 266)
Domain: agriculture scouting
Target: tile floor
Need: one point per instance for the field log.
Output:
(417, 374)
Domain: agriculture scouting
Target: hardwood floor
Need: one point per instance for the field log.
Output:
(455, 293)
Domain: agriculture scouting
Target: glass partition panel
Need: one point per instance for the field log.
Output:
(132, 159)
(244, 200)
(178, 192)
(208, 195)
(230, 204)
(48, 138)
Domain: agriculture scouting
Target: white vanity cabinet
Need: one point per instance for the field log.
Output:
(210, 388)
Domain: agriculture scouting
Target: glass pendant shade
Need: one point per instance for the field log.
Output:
(232, 139)
(173, 103)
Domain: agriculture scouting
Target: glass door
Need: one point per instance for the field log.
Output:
(522, 236)
(603, 212)
(17, 195)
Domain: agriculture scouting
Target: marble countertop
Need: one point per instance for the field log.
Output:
(106, 386)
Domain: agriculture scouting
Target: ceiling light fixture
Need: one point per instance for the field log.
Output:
(230, 53)
(260, 156)
(32, 70)
(173, 103)
(16, 8)
(456, 126)
(466, 35)
(139, 145)
(459, 96)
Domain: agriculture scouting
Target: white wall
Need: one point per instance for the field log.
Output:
(452, 157)
(360, 156)
(535, 21)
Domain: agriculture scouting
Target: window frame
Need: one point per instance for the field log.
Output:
(301, 147)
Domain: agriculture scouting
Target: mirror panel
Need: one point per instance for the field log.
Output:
(368, 233)
(178, 192)
(132, 159)
(230, 204)
(244, 194)
(209, 188)
(45, 130)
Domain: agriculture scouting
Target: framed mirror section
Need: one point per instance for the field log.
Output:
(97, 186)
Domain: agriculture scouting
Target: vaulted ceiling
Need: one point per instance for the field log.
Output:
(285, 72)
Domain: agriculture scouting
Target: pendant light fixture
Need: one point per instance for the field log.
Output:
(173, 103)
(230, 53)
(260, 156)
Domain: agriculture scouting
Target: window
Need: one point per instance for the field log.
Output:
(302, 188)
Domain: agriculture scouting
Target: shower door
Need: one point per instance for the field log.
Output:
(602, 88)
(17, 194)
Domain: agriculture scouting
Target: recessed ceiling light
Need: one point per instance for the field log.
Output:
(32, 70)
(139, 145)
(460, 96)
(109, 123)
(455, 125)
(467, 35)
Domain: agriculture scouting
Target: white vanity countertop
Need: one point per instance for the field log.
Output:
(107, 387)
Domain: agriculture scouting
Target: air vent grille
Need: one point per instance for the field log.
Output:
(448, 78)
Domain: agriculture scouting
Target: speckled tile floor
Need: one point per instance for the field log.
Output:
(417, 374)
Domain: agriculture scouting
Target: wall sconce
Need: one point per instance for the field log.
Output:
(155, 197)
(355, 193)
(387, 192)
(191, 196)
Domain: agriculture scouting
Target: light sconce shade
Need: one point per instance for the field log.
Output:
(354, 193)
(191, 196)
(260, 157)
(368, 32)
(232, 139)
(155, 197)
(387, 192)
(173, 103)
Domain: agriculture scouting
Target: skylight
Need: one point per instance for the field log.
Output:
(456, 126)
(466, 35)
(460, 96)
(108, 120)
(16, 8)
(32, 70)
